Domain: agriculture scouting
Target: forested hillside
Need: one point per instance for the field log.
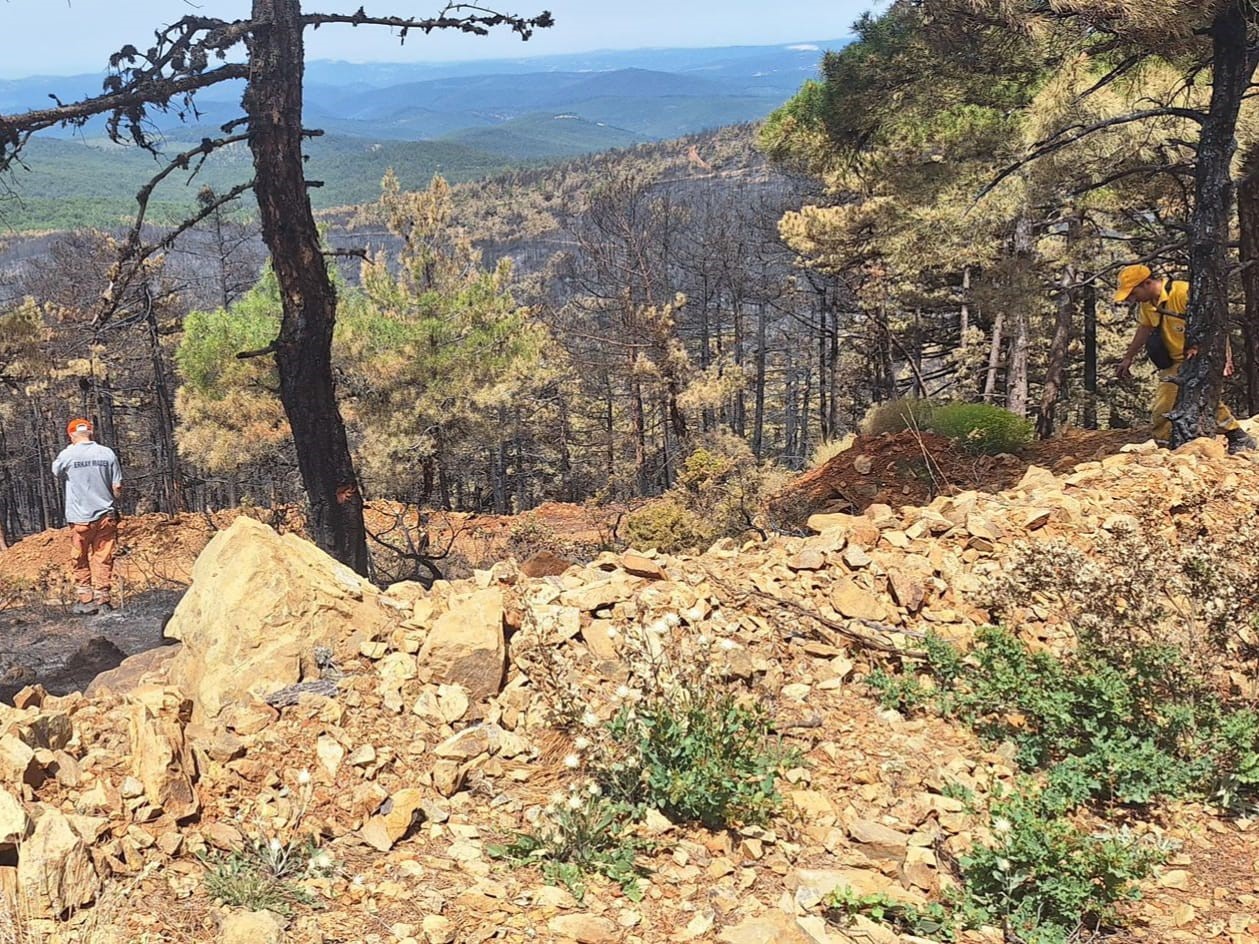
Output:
(464, 121)
(581, 330)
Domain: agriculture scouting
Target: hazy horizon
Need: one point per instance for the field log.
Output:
(78, 37)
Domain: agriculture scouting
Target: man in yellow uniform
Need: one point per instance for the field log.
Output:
(1161, 332)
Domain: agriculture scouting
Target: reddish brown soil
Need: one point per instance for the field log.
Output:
(912, 468)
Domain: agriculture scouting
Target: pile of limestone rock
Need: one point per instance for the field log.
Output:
(409, 729)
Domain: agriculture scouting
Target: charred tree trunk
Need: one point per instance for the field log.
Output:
(994, 360)
(639, 421)
(172, 485)
(1057, 371)
(1016, 366)
(303, 351)
(1090, 356)
(1201, 378)
(1248, 217)
(758, 418)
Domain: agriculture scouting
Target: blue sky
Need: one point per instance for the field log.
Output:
(56, 37)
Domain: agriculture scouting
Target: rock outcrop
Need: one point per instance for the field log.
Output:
(258, 606)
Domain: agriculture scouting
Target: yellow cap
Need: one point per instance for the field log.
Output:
(1129, 278)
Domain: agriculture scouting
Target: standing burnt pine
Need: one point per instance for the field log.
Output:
(269, 52)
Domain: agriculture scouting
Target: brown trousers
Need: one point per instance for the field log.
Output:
(92, 558)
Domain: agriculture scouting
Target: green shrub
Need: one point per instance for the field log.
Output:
(981, 428)
(1042, 878)
(1129, 726)
(698, 756)
(894, 416)
(721, 490)
(665, 526)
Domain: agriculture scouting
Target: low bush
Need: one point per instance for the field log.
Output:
(827, 451)
(1039, 877)
(935, 921)
(981, 428)
(673, 737)
(1042, 878)
(698, 756)
(665, 526)
(721, 491)
(529, 536)
(894, 416)
(1128, 727)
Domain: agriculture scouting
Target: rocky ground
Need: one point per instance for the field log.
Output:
(410, 730)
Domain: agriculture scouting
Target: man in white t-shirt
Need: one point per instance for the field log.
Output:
(93, 480)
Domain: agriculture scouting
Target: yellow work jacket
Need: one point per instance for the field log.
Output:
(1173, 304)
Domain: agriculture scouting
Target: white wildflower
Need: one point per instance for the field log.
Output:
(572, 761)
(728, 645)
(593, 789)
(574, 802)
(582, 743)
(623, 692)
(303, 777)
(589, 718)
(1001, 825)
(275, 845)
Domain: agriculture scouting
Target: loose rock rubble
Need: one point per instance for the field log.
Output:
(433, 740)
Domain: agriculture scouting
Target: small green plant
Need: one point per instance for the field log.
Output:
(935, 921)
(981, 428)
(697, 756)
(582, 834)
(1043, 879)
(673, 737)
(264, 875)
(894, 416)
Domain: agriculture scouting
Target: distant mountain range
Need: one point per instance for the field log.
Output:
(461, 119)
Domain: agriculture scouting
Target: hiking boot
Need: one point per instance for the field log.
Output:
(84, 609)
(1240, 441)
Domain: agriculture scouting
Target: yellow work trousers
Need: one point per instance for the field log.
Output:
(1165, 400)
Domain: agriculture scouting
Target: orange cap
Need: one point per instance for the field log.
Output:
(1129, 278)
(79, 425)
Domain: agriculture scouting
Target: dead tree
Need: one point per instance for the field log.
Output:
(266, 51)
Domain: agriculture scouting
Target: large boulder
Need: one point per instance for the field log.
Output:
(259, 605)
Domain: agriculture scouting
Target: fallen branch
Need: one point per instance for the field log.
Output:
(871, 635)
